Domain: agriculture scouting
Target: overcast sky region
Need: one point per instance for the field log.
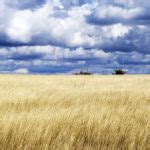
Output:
(65, 36)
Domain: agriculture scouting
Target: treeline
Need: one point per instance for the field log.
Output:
(116, 72)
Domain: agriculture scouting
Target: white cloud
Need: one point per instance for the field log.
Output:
(21, 71)
(19, 28)
(52, 53)
(115, 11)
(72, 30)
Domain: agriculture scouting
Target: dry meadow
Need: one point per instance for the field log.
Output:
(74, 112)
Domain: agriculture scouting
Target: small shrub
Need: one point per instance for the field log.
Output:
(83, 73)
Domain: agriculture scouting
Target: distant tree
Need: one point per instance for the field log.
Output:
(119, 72)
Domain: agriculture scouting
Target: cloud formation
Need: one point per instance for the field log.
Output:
(60, 36)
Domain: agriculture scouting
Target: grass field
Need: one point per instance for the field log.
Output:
(74, 112)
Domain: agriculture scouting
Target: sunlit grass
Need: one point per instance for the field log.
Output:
(74, 112)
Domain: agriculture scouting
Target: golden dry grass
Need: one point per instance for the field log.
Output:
(74, 112)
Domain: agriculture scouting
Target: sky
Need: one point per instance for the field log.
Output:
(62, 36)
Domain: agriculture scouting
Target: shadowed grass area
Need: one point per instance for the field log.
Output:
(74, 112)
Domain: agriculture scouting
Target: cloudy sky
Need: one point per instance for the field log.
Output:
(62, 36)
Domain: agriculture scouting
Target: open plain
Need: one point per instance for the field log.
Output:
(74, 112)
